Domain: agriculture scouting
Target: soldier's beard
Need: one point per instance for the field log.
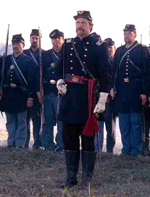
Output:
(34, 45)
(16, 51)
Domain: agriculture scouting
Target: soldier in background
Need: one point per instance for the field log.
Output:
(50, 60)
(130, 86)
(34, 113)
(146, 125)
(18, 89)
(111, 108)
(110, 114)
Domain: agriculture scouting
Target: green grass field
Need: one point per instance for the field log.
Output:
(26, 173)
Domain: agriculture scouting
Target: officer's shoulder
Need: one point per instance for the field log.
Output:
(68, 40)
(100, 43)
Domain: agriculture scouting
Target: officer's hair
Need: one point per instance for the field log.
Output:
(91, 25)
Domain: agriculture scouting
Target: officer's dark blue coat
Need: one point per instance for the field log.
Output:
(50, 63)
(135, 67)
(15, 99)
(94, 55)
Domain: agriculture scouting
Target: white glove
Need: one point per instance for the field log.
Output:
(61, 86)
(100, 106)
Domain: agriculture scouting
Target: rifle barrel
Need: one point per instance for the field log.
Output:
(3, 63)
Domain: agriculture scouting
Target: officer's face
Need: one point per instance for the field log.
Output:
(129, 36)
(17, 48)
(34, 40)
(83, 27)
(57, 43)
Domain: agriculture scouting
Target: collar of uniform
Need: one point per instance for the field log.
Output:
(55, 53)
(18, 56)
(34, 51)
(131, 45)
(84, 39)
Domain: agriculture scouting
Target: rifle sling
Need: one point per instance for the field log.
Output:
(19, 72)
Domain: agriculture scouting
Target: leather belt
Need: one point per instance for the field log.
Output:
(75, 79)
(13, 85)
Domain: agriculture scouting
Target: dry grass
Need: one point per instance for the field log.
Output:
(26, 173)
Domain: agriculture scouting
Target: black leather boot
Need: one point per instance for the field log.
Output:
(88, 163)
(72, 165)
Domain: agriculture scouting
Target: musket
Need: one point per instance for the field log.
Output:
(141, 39)
(3, 64)
(149, 40)
(149, 34)
(98, 146)
(58, 97)
(41, 80)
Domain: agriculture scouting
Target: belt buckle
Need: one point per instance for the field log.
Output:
(52, 81)
(126, 80)
(12, 85)
(75, 79)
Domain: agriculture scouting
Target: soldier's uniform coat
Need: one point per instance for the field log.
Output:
(132, 77)
(15, 98)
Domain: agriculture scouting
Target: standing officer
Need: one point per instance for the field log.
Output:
(131, 83)
(34, 113)
(18, 89)
(50, 59)
(83, 61)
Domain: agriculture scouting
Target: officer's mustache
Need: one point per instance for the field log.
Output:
(80, 29)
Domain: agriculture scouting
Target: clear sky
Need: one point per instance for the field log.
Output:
(109, 18)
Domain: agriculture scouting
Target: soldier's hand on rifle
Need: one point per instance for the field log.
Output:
(112, 93)
(39, 97)
(143, 98)
(62, 87)
(30, 102)
(100, 106)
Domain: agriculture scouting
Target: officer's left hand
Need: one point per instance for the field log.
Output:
(143, 98)
(29, 102)
(100, 106)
